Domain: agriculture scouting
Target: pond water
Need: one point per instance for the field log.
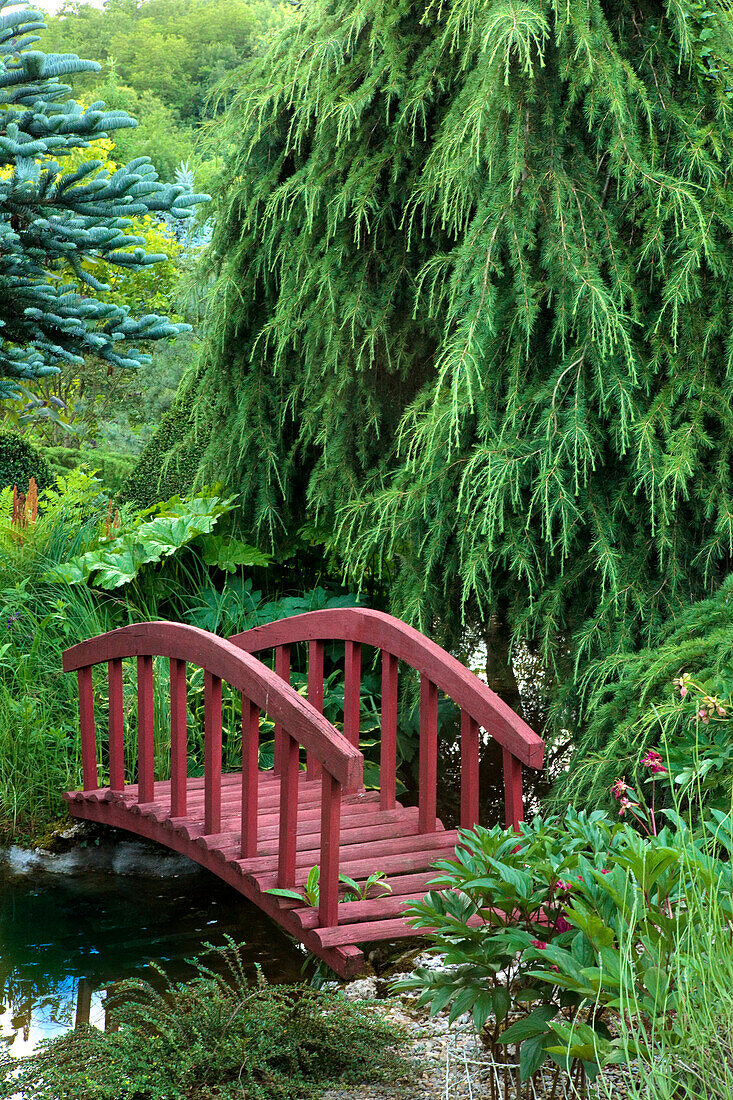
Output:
(71, 924)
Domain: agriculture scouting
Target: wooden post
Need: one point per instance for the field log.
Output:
(90, 778)
(250, 776)
(328, 887)
(116, 726)
(145, 730)
(179, 738)
(469, 771)
(352, 692)
(428, 755)
(315, 695)
(513, 799)
(282, 668)
(388, 748)
(287, 843)
(212, 753)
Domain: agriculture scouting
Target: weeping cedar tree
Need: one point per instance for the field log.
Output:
(51, 221)
(474, 309)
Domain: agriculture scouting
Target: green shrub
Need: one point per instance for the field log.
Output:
(214, 1037)
(583, 917)
(168, 464)
(631, 702)
(80, 570)
(20, 461)
(113, 468)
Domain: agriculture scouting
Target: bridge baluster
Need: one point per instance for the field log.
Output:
(352, 692)
(469, 771)
(328, 887)
(282, 668)
(388, 750)
(250, 776)
(212, 753)
(428, 755)
(116, 726)
(315, 694)
(86, 728)
(513, 799)
(145, 732)
(179, 738)
(287, 843)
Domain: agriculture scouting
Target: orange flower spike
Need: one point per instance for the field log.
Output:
(32, 501)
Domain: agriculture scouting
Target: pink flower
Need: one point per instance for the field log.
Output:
(606, 871)
(626, 804)
(653, 761)
(619, 788)
(562, 925)
(563, 887)
(721, 712)
(539, 944)
(683, 690)
(553, 967)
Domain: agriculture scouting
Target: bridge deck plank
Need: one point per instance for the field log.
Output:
(372, 839)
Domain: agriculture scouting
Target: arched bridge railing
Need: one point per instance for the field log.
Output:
(339, 763)
(480, 707)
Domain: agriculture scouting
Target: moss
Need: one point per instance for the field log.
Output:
(20, 461)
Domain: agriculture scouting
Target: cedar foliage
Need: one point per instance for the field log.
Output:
(474, 307)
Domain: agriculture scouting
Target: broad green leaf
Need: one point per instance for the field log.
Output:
(531, 1056)
(536, 1023)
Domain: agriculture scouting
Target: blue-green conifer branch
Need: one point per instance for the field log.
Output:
(53, 220)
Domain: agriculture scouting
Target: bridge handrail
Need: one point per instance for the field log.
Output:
(237, 667)
(341, 763)
(391, 635)
(439, 671)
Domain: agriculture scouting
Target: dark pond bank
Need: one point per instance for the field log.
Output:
(73, 923)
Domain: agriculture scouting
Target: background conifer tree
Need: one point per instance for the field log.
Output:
(57, 221)
(475, 308)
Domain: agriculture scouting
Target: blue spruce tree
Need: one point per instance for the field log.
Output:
(52, 219)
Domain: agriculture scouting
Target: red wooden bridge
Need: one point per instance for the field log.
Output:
(260, 830)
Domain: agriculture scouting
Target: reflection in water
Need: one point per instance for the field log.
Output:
(66, 931)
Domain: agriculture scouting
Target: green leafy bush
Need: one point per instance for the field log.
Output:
(83, 568)
(217, 1036)
(20, 461)
(119, 557)
(113, 468)
(547, 933)
(631, 702)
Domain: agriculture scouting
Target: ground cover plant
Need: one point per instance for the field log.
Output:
(217, 1036)
(598, 932)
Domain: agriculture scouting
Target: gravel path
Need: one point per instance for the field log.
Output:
(451, 1063)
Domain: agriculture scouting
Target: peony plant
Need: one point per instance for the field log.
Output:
(550, 934)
